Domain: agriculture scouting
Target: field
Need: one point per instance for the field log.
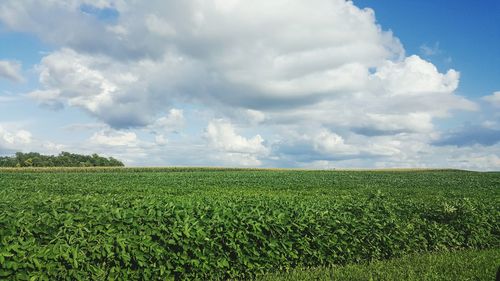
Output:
(446, 266)
(196, 223)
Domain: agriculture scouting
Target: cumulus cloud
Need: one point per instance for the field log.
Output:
(418, 154)
(11, 70)
(331, 143)
(239, 56)
(172, 122)
(114, 138)
(122, 94)
(13, 138)
(222, 136)
(493, 99)
(319, 80)
(125, 145)
(17, 137)
(358, 76)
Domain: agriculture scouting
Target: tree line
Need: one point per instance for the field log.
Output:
(64, 159)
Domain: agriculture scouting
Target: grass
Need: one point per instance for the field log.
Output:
(452, 266)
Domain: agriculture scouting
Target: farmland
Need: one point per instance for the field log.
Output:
(188, 223)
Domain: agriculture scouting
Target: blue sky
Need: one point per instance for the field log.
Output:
(466, 33)
(316, 84)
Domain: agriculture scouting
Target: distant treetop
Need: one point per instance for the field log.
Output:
(64, 159)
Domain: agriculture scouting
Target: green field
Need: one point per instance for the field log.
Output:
(195, 223)
(445, 266)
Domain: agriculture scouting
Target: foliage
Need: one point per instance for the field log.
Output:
(217, 224)
(64, 159)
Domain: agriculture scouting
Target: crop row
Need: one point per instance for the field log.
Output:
(199, 224)
(150, 239)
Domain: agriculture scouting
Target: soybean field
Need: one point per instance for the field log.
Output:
(209, 223)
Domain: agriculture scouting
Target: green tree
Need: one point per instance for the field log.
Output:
(28, 162)
(64, 159)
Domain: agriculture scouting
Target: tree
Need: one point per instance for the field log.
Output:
(64, 159)
(28, 162)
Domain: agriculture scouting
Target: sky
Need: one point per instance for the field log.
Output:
(317, 84)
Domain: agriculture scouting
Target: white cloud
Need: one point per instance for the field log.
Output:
(170, 123)
(415, 76)
(320, 80)
(11, 70)
(410, 151)
(494, 99)
(173, 122)
(121, 144)
(235, 148)
(269, 80)
(478, 161)
(222, 135)
(51, 148)
(122, 94)
(235, 58)
(331, 143)
(48, 98)
(14, 139)
(68, 78)
(114, 138)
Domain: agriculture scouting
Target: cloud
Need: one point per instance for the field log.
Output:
(125, 145)
(114, 138)
(232, 56)
(429, 51)
(11, 70)
(98, 85)
(85, 26)
(321, 81)
(493, 99)
(477, 161)
(321, 144)
(159, 26)
(331, 143)
(469, 136)
(235, 148)
(76, 127)
(17, 137)
(232, 49)
(49, 99)
(222, 135)
(13, 138)
(172, 122)
(401, 96)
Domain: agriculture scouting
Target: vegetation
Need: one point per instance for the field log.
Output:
(446, 266)
(191, 223)
(64, 159)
